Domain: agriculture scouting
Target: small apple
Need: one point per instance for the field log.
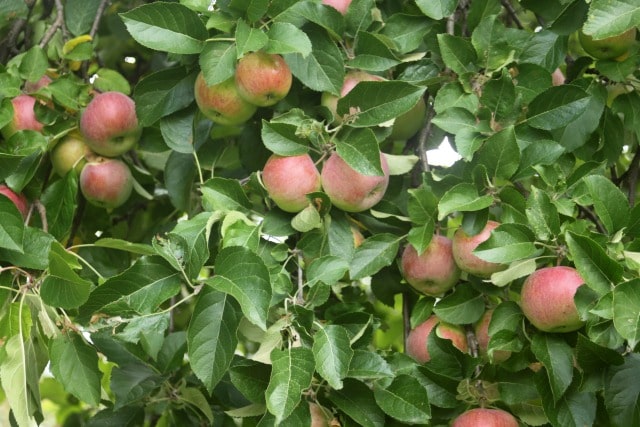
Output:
(481, 330)
(340, 5)
(547, 296)
(24, 116)
(69, 153)
(434, 271)
(463, 247)
(409, 123)
(31, 87)
(289, 179)
(351, 79)
(263, 78)
(557, 77)
(615, 47)
(350, 190)
(18, 199)
(109, 124)
(319, 417)
(485, 417)
(106, 182)
(417, 338)
(221, 102)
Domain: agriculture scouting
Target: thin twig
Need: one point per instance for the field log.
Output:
(42, 211)
(10, 40)
(96, 21)
(632, 173)
(512, 13)
(406, 317)
(593, 217)
(58, 23)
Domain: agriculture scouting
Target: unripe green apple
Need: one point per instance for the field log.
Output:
(409, 123)
(106, 182)
(19, 200)
(610, 48)
(340, 5)
(263, 78)
(463, 247)
(418, 336)
(351, 79)
(289, 179)
(485, 417)
(221, 102)
(432, 272)
(481, 329)
(69, 153)
(109, 124)
(547, 301)
(350, 190)
(24, 116)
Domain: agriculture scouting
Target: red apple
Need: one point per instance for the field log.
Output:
(351, 79)
(340, 5)
(409, 123)
(262, 78)
(434, 271)
(69, 153)
(481, 330)
(109, 124)
(106, 182)
(463, 247)
(547, 296)
(221, 102)
(417, 338)
(31, 87)
(18, 199)
(350, 190)
(24, 116)
(289, 179)
(485, 417)
(616, 47)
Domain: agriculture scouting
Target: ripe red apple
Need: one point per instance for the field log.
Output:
(350, 190)
(417, 338)
(615, 47)
(263, 78)
(109, 124)
(340, 5)
(463, 247)
(221, 103)
(106, 182)
(69, 153)
(434, 271)
(546, 299)
(18, 199)
(409, 123)
(289, 179)
(24, 116)
(351, 79)
(485, 417)
(481, 330)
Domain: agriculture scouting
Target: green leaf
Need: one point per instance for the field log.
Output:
(34, 64)
(456, 120)
(599, 271)
(328, 269)
(437, 9)
(251, 378)
(79, 15)
(463, 197)
(14, 378)
(575, 408)
(63, 287)
(243, 275)
(463, 306)
(162, 93)
(75, 364)
(405, 399)
(593, 357)
(125, 245)
(367, 365)
(282, 139)
(35, 249)
(197, 399)
(557, 107)
(542, 214)
(326, 17)
(499, 95)
(358, 402)
(223, 194)
(407, 31)
(149, 331)
(373, 254)
(177, 130)
(457, 54)
(493, 43)
(332, 353)
(557, 358)
(626, 310)
(507, 243)
(211, 336)
(609, 202)
(167, 27)
(622, 392)
(12, 230)
(608, 18)
(373, 52)
(217, 61)
(359, 148)
(248, 39)
(500, 154)
(133, 382)
(422, 205)
(287, 38)
(291, 375)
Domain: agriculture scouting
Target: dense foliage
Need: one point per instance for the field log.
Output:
(200, 302)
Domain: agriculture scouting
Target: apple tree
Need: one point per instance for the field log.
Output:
(228, 212)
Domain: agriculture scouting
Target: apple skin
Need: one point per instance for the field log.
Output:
(289, 179)
(106, 182)
(481, 329)
(557, 77)
(485, 417)
(318, 416)
(340, 5)
(24, 116)
(350, 190)
(351, 79)
(463, 246)
(409, 123)
(18, 199)
(547, 296)
(609, 48)
(31, 87)
(221, 102)
(109, 124)
(263, 78)
(434, 271)
(69, 152)
(417, 338)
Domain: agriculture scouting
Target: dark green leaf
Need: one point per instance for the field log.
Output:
(63, 287)
(557, 358)
(463, 306)
(358, 402)
(359, 148)
(217, 61)
(500, 154)
(458, 54)
(282, 139)
(75, 364)
(610, 203)
(557, 107)
(599, 271)
(223, 194)
(332, 353)
(287, 38)
(162, 93)
(626, 310)
(373, 254)
(608, 18)
(405, 399)
(462, 198)
(507, 243)
(622, 392)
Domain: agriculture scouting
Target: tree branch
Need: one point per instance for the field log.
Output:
(58, 23)
(96, 21)
(512, 13)
(632, 177)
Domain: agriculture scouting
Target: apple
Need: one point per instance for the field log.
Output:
(485, 417)
(319, 417)
(615, 47)
(350, 190)
(24, 116)
(351, 79)
(221, 102)
(463, 247)
(69, 153)
(263, 78)
(289, 179)
(409, 123)
(557, 77)
(106, 182)
(18, 199)
(434, 271)
(109, 124)
(340, 5)
(481, 329)
(417, 338)
(547, 296)
(31, 87)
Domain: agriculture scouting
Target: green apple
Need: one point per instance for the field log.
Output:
(610, 47)
(69, 153)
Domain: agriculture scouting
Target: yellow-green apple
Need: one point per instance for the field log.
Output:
(350, 190)
(557, 77)
(463, 247)
(433, 272)
(485, 417)
(106, 182)
(340, 5)
(24, 116)
(481, 329)
(289, 179)
(221, 102)
(351, 79)
(615, 47)
(417, 338)
(547, 301)
(109, 124)
(18, 199)
(408, 124)
(69, 153)
(263, 78)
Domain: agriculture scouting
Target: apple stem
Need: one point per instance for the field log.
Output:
(42, 211)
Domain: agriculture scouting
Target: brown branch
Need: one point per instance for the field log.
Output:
(593, 217)
(406, 317)
(58, 23)
(10, 41)
(632, 178)
(96, 21)
(512, 13)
